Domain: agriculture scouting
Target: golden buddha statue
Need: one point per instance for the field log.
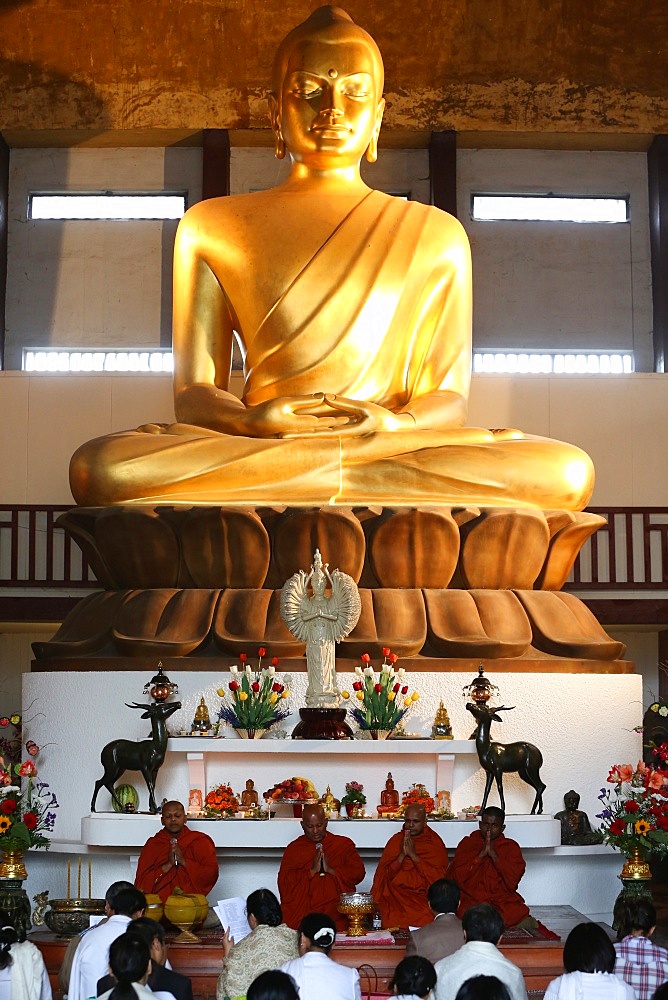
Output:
(441, 729)
(202, 720)
(353, 312)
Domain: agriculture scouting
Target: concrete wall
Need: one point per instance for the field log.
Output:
(538, 286)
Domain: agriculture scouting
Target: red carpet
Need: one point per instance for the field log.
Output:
(540, 933)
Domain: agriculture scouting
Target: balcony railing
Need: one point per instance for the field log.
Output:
(629, 554)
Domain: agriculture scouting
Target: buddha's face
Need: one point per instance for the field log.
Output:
(329, 108)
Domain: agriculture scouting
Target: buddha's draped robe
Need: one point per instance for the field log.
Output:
(198, 875)
(482, 880)
(402, 896)
(386, 323)
(302, 893)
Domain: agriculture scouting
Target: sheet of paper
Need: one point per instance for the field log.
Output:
(232, 913)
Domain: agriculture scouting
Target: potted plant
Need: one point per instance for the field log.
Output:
(257, 698)
(383, 697)
(354, 799)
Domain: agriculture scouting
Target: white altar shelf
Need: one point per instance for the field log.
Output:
(126, 830)
(198, 748)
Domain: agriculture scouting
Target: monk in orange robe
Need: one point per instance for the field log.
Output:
(177, 858)
(487, 867)
(413, 859)
(316, 868)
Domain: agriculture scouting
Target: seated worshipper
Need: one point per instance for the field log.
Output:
(661, 993)
(161, 979)
(483, 988)
(479, 955)
(412, 859)
(589, 961)
(314, 972)
(273, 985)
(23, 975)
(352, 310)
(444, 935)
(414, 978)
(66, 967)
(487, 867)
(315, 869)
(130, 964)
(639, 962)
(177, 857)
(270, 943)
(91, 959)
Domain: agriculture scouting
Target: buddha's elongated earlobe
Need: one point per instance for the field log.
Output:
(371, 154)
(280, 148)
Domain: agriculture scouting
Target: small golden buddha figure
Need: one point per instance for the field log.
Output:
(441, 729)
(389, 797)
(201, 722)
(330, 804)
(353, 312)
(249, 797)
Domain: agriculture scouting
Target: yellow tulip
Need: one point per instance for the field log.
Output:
(345, 695)
(243, 696)
(359, 695)
(273, 697)
(407, 702)
(221, 692)
(285, 694)
(391, 695)
(415, 696)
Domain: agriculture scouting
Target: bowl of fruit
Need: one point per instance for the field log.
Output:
(296, 792)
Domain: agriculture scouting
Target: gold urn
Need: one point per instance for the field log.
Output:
(356, 906)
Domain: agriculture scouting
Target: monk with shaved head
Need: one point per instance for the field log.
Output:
(177, 858)
(413, 859)
(316, 868)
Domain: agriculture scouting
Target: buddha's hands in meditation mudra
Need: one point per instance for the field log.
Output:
(353, 313)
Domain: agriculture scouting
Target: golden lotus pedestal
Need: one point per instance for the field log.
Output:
(436, 583)
(356, 906)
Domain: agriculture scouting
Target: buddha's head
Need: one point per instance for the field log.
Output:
(326, 106)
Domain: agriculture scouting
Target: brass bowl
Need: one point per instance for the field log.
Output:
(356, 906)
(67, 917)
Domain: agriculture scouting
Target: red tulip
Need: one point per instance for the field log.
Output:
(4, 722)
(393, 657)
(365, 658)
(234, 685)
(255, 686)
(378, 688)
(277, 687)
(243, 657)
(357, 686)
(396, 688)
(275, 661)
(386, 650)
(261, 652)
(404, 690)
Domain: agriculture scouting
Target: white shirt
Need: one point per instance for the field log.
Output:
(589, 986)
(91, 959)
(317, 976)
(26, 978)
(477, 958)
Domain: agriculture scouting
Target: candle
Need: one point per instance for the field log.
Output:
(90, 880)
(69, 873)
(79, 879)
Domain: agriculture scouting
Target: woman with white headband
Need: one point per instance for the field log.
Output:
(314, 972)
(23, 975)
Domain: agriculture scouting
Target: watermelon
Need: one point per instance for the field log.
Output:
(126, 795)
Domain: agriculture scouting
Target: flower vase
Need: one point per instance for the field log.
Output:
(636, 878)
(13, 897)
(380, 734)
(250, 734)
(12, 866)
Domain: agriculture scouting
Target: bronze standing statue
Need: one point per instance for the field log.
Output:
(498, 759)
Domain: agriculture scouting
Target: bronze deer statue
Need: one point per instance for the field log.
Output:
(498, 759)
(145, 756)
